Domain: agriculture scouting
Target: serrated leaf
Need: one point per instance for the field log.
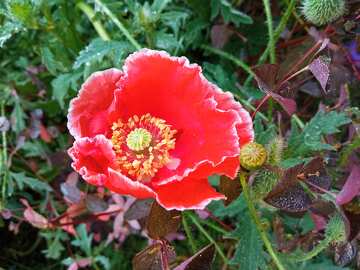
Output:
(22, 180)
(98, 49)
(17, 117)
(8, 29)
(310, 139)
(52, 64)
(249, 251)
(83, 239)
(62, 84)
(229, 13)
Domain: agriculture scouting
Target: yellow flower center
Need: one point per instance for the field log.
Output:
(138, 139)
(142, 145)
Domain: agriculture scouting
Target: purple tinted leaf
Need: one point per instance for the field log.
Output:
(202, 260)
(71, 192)
(139, 209)
(351, 187)
(288, 104)
(321, 71)
(294, 199)
(95, 204)
(266, 76)
(220, 34)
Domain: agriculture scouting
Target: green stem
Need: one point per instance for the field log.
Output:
(188, 234)
(256, 219)
(298, 121)
(90, 13)
(312, 253)
(208, 236)
(230, 57)
(118, 24)
(269, 21)
(213, 226)
(279, 29)
(4, 157)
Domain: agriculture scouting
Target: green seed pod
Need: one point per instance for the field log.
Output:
(252, 156)
(335, 229)
(264, 182)
(320, 12)
(275, 150)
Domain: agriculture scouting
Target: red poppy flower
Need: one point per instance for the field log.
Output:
(157, 129)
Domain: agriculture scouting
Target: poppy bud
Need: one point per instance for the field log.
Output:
(252, 156)
(264, 181)
(335, 229)
(320, 12)
(275, 150)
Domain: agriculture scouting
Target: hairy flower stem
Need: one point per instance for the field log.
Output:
(279, 29)
(90, 13)
(229, 57)
(256, 219)
(121, 27)
(208, 236)
(188, 234)
(4, 158)
(269, 22)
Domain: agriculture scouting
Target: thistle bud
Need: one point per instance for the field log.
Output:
(275, 150)
(320, 12)
(263, 182)
(252, 156)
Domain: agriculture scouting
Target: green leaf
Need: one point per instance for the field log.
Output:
(55, 247)
(18, 117)
(218, 75)
(98, 49)
(62, 84)
(83, 239)
(174, 19)
(166, 41)
(103, 261)
(52, 64)
(263, 136)
(234, 209)
(22, 180)
(302, 144)
(229, 13)
(249, 251)
(7, 30)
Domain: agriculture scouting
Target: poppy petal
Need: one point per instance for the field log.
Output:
(207, 129)
(92, 157)
(187, 194)
(88, 112)
(121, 184)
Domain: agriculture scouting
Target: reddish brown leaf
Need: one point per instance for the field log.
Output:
(154, 257)
(230, 188)
(202, 260)
(161, 222)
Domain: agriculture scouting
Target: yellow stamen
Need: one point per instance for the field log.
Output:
(142, 145)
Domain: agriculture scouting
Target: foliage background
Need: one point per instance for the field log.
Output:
(48, 49)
